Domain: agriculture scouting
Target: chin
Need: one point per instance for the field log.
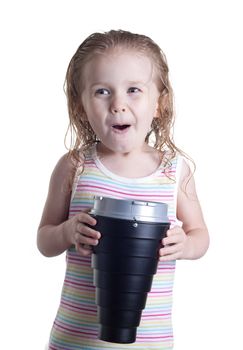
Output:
(126, 147)
(121, 147)
(115, 146)
(122, 150)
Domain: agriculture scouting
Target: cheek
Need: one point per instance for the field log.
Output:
(89, 103)
(152, 109)
(95, 127)
(94, 122)
(97, 107)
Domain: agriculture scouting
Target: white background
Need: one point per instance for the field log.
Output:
(203, 44)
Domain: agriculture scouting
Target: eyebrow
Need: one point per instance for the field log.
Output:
(136, 82)
(129, 82)
(98, 83)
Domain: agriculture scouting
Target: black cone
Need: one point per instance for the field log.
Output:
(124, 263)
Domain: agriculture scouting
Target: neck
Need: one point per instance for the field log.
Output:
(135, 164)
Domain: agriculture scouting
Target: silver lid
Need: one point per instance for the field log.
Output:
(130, 209)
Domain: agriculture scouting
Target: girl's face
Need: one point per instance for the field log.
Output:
(120, 99)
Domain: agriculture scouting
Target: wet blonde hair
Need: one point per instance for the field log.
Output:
(82, 135)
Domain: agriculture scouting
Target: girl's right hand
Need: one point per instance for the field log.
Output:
(81, 235)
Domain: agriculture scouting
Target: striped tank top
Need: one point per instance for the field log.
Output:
(75, 325)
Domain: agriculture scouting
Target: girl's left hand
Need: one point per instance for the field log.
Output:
(173, 245)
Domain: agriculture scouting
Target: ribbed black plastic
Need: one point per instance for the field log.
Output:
(124, 263)
(122, 282)
(117, 263)
(117, 335)
(107, 299)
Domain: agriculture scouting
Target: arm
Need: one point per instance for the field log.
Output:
(190, 241)
(56, 233)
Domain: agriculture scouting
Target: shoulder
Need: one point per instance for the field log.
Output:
(63, 174)
(64, 166)
(186, 178)
(69, 163)
(59, 192)
(174, 165)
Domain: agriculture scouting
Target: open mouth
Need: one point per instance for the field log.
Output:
(121, 127)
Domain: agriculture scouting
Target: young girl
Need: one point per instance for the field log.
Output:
(121, 114)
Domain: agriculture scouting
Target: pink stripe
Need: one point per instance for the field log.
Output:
(85, 311)
(75, 285)
(127, 194)
(73, 257)
(155, 338)
(79, 262)
(155, 294)
(73, 331)
(73, 307)
(166, 269)
(152, 316)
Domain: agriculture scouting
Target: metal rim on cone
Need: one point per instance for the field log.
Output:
(130, 209)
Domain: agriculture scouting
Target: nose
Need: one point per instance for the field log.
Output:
(118, 106)
(118, 110)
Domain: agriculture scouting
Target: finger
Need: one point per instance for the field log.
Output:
(170, 250)
(84, 249)
(172, 240)
(87, 231)
(174, 256)
(175, 235)
(167, 239)
(86, 218)
(84, 239)
(173, 231)
(84, 244)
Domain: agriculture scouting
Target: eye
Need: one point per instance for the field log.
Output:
(133, 90)
(102, 91)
